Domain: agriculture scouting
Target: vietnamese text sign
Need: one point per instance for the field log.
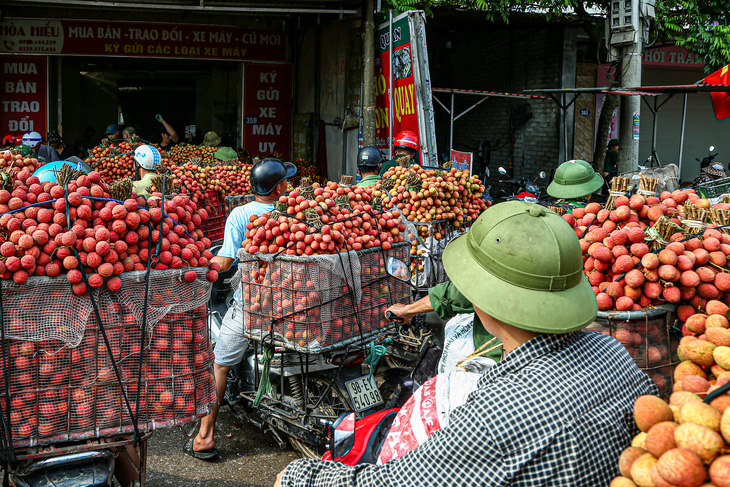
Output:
(671, 57)
(140, 39)
(404, 92)
(23, 94)
(462, 160)
(267, 116)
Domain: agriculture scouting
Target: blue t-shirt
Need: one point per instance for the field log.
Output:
(235, 232)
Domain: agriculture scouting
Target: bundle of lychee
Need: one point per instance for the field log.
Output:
(684, 443)
(305, 169)
(626, 275)
(113, 162)
(110, 237)
(335, 219)
(182, 154)
(15, 162)
(427, 195)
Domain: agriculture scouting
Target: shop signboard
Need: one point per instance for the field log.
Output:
(267, 91)
(23, 95)
(671, 57)
(462, 160)
(412, 101)
(140, 39)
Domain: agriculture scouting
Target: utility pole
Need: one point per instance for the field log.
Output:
(625, 28)
(368, 80)
(630, 111)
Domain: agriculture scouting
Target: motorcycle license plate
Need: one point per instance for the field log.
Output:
(364, 393)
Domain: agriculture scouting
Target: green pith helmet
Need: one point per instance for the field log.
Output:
(522, 265)
(225, 154)
(574, 179)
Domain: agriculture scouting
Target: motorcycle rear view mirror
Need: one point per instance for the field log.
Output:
(342, 438)
(502, 170)
(542, 175)
(398, 269)
(712, 148)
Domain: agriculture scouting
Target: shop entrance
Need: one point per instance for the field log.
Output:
(131, 91)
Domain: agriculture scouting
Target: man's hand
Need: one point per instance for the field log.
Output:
(278, 478)
(401, 311)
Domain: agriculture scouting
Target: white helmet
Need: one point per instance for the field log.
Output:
(147, 157)
(31, 139)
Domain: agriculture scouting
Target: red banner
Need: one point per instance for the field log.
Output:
(140, 39)
(23, 95)
(405, 113)
(267, 90)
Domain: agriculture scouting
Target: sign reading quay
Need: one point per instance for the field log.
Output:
(140, 39)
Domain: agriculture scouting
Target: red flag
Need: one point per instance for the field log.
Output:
(720, 100)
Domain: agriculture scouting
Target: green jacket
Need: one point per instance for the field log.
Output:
(368, 181)
(448, 302)
(610, 165)
(140, 187)
(392, 163)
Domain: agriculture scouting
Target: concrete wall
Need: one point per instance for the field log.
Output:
(505, 60)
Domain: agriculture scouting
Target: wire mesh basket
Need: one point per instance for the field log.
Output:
(427, 251)
(649, 338)
(312, 304)
(61, 381)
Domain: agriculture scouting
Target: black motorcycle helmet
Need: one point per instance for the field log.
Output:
(369, 157)
(268, 173)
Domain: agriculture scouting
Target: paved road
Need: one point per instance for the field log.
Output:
(249, 458)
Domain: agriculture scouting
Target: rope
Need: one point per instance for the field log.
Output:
(696, 224)
(374, 355)
(616, 193)
(265, 386)
(646, 193)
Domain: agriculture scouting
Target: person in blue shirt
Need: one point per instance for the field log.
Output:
(269, 181)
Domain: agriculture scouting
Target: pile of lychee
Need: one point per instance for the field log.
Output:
(627, 275)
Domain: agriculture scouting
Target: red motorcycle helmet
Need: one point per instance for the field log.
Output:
(406, 140)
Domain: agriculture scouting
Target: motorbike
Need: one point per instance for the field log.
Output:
(522, 188)
(709, 159)
(112, 461)
(311, 390)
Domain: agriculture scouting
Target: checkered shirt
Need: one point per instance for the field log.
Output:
(556, 411)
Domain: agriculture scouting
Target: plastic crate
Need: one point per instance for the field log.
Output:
(214, 204)
(214, 227)
(714, 189)
(306, 303)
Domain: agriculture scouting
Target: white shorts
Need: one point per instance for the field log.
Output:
(231, 343)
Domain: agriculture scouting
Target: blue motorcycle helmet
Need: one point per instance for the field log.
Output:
(47, 172)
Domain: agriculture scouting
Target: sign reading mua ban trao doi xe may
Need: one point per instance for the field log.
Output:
(267, 116)
(23, 94)
(140, 39)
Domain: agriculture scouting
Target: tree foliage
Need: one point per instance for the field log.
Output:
(701, 26)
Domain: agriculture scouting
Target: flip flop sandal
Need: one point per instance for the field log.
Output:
(206, 455)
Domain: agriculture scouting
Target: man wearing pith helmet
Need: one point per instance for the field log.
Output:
(557, 410)
(573, 184)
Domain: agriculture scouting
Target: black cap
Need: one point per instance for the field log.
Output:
(268, 173)
(369, 157)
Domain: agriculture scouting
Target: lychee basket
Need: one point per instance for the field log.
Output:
(433, 237)
(61, 380)
(649, 337)
(317, 303)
